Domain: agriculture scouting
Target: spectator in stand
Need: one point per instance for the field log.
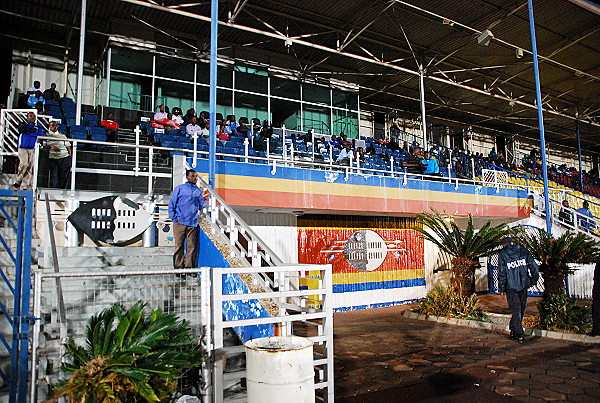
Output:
(40, 108)
(161, 114)
(177, 115)
(59, 157)
(346, 155)
(231, 125)
(51, 94)
(344, 140)
(35, 98)
(37, 86)
(393, 145)
(493, 156)
(193, 129)
(413, 163)
(431, 165)
(360, 155)
(28, 132)
(221, 133)
(205, 131)
(583, 212)
(111, 127)
(334, 142)
(565, 215)
(187, 119)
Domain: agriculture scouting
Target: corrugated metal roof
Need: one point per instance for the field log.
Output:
(439, 33)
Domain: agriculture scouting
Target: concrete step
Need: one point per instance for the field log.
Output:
(106, 261)
(110, 251)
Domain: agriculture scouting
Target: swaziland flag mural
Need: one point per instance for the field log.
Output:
(376, 261)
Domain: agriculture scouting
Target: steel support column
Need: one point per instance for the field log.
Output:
(80, 63)
(538, 98)
(212, 97)
(578, 125)
(422, 97)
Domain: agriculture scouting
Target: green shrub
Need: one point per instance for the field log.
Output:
(559, 313)
(446, 301)
(129, 356)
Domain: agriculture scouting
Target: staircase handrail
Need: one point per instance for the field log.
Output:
(577, 218)
(254, 251)
(569, 193)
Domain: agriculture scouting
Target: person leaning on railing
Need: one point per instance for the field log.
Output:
(565, 215)
(59, 157)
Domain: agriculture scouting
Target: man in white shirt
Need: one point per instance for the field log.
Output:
(193, 129)
(346, 155)
(161, 115)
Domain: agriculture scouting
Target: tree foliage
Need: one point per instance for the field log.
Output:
(465, 247)
(555, 254)
(128, 357)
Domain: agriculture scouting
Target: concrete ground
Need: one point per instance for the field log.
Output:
(381, 356)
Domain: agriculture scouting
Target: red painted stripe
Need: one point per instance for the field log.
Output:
(305, 201)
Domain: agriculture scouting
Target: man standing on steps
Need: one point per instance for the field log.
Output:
(517, 271)
(28, 133)
(186, 202)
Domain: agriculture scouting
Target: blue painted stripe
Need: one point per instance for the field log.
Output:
(378, 285)
(316, 175)
(371, 306)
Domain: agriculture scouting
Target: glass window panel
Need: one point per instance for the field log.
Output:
(317, 118)
(224, 75)
(170, 67)
(285, 112)
(131, 60)
(174, 94)
(223, 100)
(316, 94)
(125, 91)
(251, 79)
(347, 100)
(251, 106)
(346, 122)
(285, 88)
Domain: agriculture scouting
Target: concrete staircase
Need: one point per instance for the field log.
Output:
(85, 295)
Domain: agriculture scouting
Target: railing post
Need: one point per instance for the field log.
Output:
(194, 162)
(150, 172)
(136, 169)
(73, 164)
(246, 149)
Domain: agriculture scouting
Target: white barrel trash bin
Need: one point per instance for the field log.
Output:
(280, 369)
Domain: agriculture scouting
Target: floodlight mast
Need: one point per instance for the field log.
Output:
(538, 98)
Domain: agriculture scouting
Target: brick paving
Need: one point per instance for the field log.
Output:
(381, 356)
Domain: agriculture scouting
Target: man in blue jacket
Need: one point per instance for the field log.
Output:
(28, 133)
(185, 203)
(517, 271)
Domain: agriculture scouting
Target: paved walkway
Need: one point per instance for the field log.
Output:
(381, 356)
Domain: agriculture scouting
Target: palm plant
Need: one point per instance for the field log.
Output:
(129, 357)
(465, 247)
(555, 254)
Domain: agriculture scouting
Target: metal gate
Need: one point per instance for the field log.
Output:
(16, 217)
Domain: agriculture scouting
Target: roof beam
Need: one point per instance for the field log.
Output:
(323, 48)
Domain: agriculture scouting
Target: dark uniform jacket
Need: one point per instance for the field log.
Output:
(517, 270)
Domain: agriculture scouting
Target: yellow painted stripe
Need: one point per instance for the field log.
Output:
(340, 189)
(374, 276)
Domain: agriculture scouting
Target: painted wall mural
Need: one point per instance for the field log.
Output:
(376, 261)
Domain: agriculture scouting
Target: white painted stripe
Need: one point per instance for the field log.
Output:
(358, 298)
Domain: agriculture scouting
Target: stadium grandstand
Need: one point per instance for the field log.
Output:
(304, 120)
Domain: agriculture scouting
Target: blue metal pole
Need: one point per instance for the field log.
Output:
(25, 297)
(212, 97)
(15, 357)
(538, 97)
(578, 124)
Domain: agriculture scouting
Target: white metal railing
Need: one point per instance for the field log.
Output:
(307, 313)
(200, 300)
